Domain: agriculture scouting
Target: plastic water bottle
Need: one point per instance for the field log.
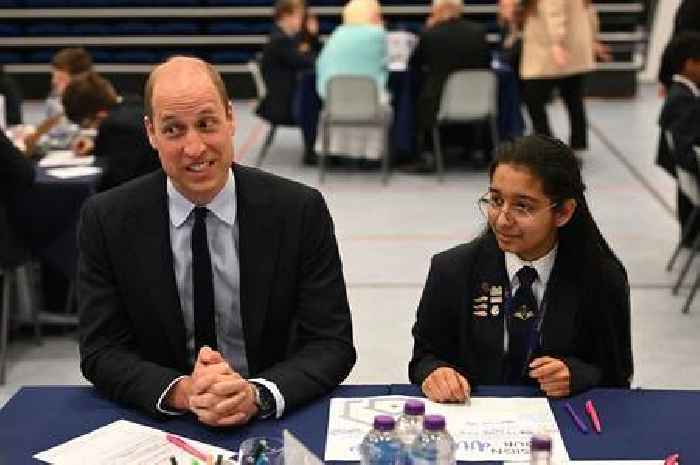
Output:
(434, 445)
(410, 423)
(540, 449)
(381, 446)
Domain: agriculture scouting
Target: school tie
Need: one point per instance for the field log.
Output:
(202, 284)
(521, 325)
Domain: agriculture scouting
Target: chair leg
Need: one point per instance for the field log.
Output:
(691, 296)
(266, 145)
(27, 295)
(439, 163)
(686, 266)
(387, 156)
(5, 321)
(685, 234)
(495, 138)
(325, 135)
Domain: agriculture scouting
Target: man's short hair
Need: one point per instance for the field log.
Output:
(211, 71)
(456, 4)
(74, 60)
(287, 7)
(86, 95)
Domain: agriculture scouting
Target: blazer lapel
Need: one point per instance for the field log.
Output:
(491, 281)
(150, 235)
(258, 247)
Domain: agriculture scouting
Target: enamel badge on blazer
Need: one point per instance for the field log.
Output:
(489, 302)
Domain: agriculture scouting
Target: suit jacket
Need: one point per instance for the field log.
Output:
(16, 174)
(294, 308)
(593, 342)
(442, 49)
(679, 115)
(281, 63)
(122, 145)
(571, 23)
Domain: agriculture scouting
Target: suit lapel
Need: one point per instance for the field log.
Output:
(490, 280)
(150, 235)
(258, 246)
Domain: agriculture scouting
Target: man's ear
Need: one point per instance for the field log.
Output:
(149, 130)
(563, 213)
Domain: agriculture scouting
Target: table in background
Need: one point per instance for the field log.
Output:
(637, 424)
(47, 215)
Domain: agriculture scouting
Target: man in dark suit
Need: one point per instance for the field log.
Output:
(448, 44)
(91, 102)
(209, 288)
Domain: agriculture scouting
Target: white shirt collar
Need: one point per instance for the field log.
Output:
(543, 265)
(223, 205)
(688, 83)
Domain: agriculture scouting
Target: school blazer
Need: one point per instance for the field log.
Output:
(593, 342)
(294, 308)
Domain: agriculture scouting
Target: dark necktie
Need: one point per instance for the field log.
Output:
(521, 326)
(202, 284)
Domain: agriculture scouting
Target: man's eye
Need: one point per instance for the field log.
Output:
(170, 130)
(496, 201)
(208, 124)
(522, 207)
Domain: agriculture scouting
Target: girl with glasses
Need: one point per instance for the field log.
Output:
(538, 298)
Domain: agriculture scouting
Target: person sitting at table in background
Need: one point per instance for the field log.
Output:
(539, 298)
(13, 98)
(210, 287)
(91, 102)
(66, 64)
(16, 174)
(358, 47)
(680, 119)
(449, 43)
(287, 53)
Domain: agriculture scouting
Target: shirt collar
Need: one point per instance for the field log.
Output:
(223, 205)
(688, 83)
(543, 265)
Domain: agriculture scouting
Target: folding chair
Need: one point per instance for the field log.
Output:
(353, 101)
(696, 246)
(468, 96)
(261, 91)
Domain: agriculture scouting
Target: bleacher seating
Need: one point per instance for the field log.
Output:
(229, 32)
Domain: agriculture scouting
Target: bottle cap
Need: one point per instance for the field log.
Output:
(434, 422)
(541, 442)
(414, 407)
(383, 423)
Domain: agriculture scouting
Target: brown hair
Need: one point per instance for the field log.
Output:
(287, 7)
(211, 71)
(74, 61)
(86, 95)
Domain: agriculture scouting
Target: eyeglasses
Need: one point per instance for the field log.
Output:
(491, 204)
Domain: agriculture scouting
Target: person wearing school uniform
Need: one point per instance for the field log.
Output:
(538, 298)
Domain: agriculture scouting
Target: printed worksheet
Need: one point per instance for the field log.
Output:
(124, 442)
(486, 429)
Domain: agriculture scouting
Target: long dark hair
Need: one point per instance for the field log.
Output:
(555, 164)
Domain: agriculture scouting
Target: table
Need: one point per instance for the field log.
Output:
(637, 424)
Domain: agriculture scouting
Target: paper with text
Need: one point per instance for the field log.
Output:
(123, 443)
(488, 429)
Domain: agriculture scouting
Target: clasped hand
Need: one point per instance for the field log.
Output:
(214, 392)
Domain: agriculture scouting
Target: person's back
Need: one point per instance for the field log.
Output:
(282, 60)
(122, 143)
(356, 49)
(16, 174)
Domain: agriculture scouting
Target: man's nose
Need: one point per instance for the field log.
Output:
(194, 145)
